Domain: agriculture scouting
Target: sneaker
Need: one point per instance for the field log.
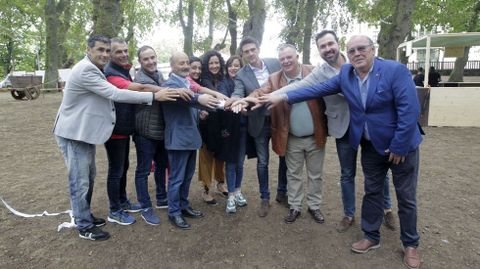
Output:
(131, 207)
(208, 198)
(98, 222)
(149, 216)
(94, 234)
(231, 205)
(162, 204)
(120, 217)
(240, 199)
(222, 189)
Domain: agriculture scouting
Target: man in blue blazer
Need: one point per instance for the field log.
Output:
(182, 139)
(383, 119)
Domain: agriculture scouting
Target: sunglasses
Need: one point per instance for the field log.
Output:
(360, 49)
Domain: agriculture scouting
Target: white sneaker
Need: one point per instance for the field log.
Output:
(240, 200)
(231, 205)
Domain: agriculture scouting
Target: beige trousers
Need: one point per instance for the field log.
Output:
(300, 151)
(209, 168)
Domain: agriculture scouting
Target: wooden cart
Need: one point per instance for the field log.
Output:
(26, 87)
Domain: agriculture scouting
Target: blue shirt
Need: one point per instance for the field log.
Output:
(363, 85)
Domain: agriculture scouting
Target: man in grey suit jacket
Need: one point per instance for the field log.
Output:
(86, 117)
(338, 117)
(248, 79)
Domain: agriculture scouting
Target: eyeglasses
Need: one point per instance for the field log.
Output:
(360, 49)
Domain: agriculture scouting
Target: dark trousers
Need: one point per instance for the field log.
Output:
(404, 177)
(117, 154)
(148, 150)
(263, 155)
(182, 168)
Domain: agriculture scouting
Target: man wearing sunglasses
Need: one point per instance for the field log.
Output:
(384, 110)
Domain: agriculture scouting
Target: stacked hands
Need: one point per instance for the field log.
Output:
(237, 105)
(207, 100)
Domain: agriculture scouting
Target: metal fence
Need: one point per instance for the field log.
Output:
(471, 65)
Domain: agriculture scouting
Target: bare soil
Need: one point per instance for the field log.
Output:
(33, 179)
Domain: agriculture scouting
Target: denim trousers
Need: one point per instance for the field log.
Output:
(149, 150)
(80, 162)
(182, 168)
(404, 176)
(347, 157)
(234, 170)
(118, 162)
(263, 155)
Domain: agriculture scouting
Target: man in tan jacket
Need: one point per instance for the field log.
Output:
(299, 133)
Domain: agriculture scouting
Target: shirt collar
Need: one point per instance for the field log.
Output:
(264, 66)
(296, 78)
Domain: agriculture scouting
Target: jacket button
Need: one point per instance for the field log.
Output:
(113, 123)
(113, 109)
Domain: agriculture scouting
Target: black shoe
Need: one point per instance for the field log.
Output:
(98, 222)
(179, 222)
(317, 215)
(282, 199)
(292, 216)
(191, 213)
(94, 234)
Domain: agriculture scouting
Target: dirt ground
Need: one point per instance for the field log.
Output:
(33, 179)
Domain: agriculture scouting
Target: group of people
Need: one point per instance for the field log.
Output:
(230, 110)
(434, 77)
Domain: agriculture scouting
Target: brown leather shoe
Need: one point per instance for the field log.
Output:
(345, 224)
(364, 245)
(292, 216)
(389, 221)
(317, 215)
(411, 258)
(264, 207)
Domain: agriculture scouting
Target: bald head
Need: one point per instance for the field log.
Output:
(180, 64)
(361, 53)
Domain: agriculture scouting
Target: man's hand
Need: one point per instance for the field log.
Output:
(208, 101)
(229, 102)
(396, 159)
(242, 104)
(185, 94)
(220, 96)
(166, 95)
(203, 114)
(271, 100)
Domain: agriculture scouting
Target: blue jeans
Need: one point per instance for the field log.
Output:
(148, 150)
(80, 161)
(117, 155)
(234, 170)
(282, 175)
(348, 166)
(263, 153)
(182, 168)
(375, 167)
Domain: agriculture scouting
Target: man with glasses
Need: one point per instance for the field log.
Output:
(383, 119)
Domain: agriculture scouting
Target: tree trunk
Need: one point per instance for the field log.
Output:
(52, 59)
(232, 28)
(107, 17)
(394, 29)
(307, 33)
(63, 8)
(187, 27)
(255, 25)
(457, 72)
